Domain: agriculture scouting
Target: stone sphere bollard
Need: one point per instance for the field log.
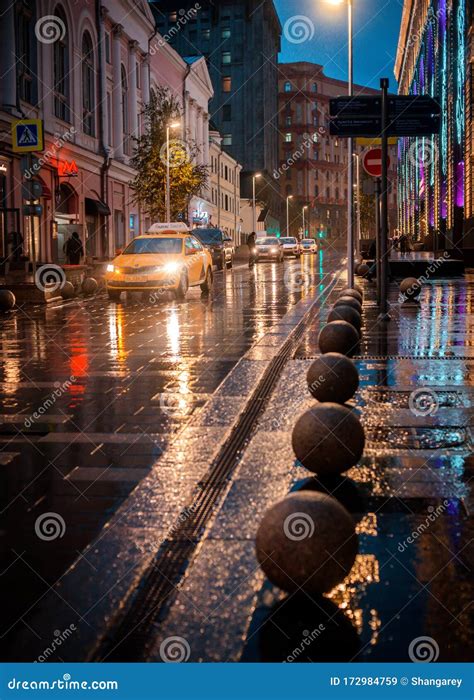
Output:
(89, 286)
(307, 541)
(410, 288)
(349, 301)
(363, 270)
(352, 293)
(328, 439)
(7, 300)
(333, 377)
(339, 336)
(67, 290)
(345, 313)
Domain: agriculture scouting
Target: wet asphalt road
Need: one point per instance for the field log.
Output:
(92, 392)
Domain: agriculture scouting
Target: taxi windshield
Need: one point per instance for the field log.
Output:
(161, 246)
(268, 241)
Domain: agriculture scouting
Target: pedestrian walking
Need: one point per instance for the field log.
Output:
(403, 242)
(251, 243)
(73, 249)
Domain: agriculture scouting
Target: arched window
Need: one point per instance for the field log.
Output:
(288, 86)
(61, 68)
(123, 74)
(26, 51)
(88, 85)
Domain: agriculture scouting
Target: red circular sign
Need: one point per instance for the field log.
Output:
(372, 162)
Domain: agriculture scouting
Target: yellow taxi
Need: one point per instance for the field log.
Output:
(166, 257)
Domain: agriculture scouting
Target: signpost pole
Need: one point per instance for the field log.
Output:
(378, 241)
(384, 315)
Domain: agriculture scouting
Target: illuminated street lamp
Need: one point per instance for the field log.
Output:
(173, 125)
(350, 176)
(257, 175)
(290, 196)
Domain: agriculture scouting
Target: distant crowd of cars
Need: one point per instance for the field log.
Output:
(170, 257)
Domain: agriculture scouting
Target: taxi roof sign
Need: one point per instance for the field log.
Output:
(178, 226)
(27, 135)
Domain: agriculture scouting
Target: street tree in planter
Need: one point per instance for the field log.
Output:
(187, 178)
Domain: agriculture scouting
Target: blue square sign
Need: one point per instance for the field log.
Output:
(27, 135)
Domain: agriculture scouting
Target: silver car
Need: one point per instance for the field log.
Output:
(290, 246)
(269, 249)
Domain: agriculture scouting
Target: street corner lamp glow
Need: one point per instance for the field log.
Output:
(175, 125)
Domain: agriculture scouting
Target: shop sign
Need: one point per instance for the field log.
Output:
(200, 216)
(67, 168)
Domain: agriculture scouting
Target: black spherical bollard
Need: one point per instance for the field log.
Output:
(345, 313)
(89, 286)
(7, 300)
(352, 293)
(67, 290)
(333, 377)
(339, 336)
(349, 301)
(363, 270)
(410, 288)
(307, 542)
(328, 439)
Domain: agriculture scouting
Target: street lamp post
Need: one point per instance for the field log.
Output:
(257, 175)
(358, 237)
(174, 125)
(290, 196)
(304, 223)
(350, 171)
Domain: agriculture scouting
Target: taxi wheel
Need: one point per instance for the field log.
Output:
(114, 295)
(206, 286)
(182, 289)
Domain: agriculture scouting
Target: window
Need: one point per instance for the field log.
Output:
(226, 84)
(226, 33)
(88, 85)
(123, 73)
(316, 191)
(61, 70)
(288, 87)
(288, 121)
(193, 36)
(288, 137)
(315, 87)
(226, 58)
(227, 140)
(227, 113)
(206, 34)
(25, 54)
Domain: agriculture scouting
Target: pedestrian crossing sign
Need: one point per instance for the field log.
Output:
(27, 135)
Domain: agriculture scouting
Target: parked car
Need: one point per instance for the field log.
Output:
(269, 249)
(220, 246)
(309, 245)
(290, 246)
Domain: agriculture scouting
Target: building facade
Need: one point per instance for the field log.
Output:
(85, 70)
(435, 57)
(313, 165)
(224, 186)
(240, 40)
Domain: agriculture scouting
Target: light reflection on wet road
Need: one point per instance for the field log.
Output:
(92, 393)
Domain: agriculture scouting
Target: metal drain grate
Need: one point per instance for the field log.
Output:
(131, 635)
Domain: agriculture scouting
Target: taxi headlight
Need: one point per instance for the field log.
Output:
(171, 267)
(110, 268)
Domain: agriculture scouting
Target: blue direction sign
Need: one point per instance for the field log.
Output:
(27, 135)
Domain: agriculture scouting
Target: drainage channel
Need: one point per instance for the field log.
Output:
(131, 635)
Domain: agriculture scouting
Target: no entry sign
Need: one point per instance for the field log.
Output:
(372, 162)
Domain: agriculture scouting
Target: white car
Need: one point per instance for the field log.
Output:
(269, 249)
(290, 246)
(309, 245)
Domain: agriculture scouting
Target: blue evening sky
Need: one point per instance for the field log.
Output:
(376, 28)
